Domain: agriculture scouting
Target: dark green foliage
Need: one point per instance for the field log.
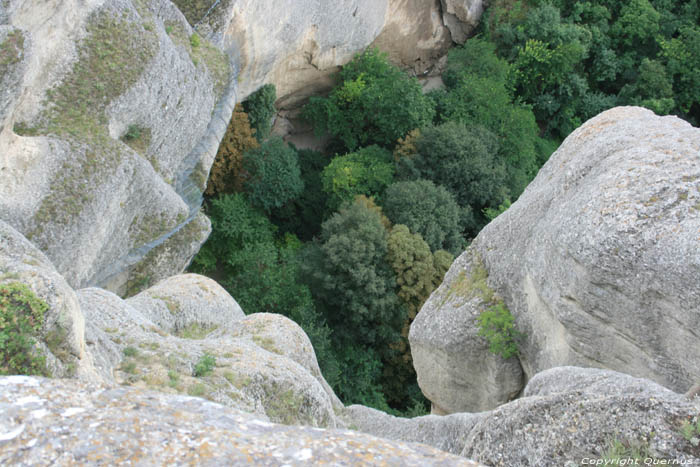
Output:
(428, 210)
(375, 103)
(360, 376)
(465, 161)
(573, 60)
(21, 320)
(481, 96)
(303, 216)
(367, 171)
(273, 177)
(260, 107)
(350, 279)
(418, 273)
(204, 365)
(497, 327)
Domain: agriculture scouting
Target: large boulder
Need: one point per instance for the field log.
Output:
(108, 126)
(598, 262)
(576, 416)
(461, 17)
(568, 416)
(447, 433)
(68, 422)
(162, 338)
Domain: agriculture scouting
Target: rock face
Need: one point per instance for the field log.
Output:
(261, 364)
(461, 17)
(598, 261)
(62, 337)
(67, 422)
(298, 45)
(184, 335)
(103, 155)
(447, 433)
(565, 416)
(570, 414)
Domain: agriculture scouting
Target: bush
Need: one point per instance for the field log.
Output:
(496, 325)
(260, 107)
(272, 175)
(365, 172)
(376, 103)
(205, 365)
(427, 209)
(21, 320)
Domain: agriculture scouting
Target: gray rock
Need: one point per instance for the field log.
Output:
(300, 44)
(263, 364)
(95, 205)
(461, 17)
(447, 433)
(597, 260)
(68, 422)
(181, 301)
(572, 414)
(61, 338)
(456, 371)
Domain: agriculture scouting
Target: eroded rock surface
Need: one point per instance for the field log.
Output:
(159, 339)
(566, 415)
(598, 261)
(569, 414)
(67, 422)
(461, 17)
(299, 45)
(62, 336)
(107, 133)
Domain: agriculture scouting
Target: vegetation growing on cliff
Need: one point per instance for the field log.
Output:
(21, 319)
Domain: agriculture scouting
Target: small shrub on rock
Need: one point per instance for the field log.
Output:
(21, 318)
(205, 365)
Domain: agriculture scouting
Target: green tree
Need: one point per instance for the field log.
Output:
(350, 279)
(261, 271)
(427, 209)
(272, 174)
(260, 107)
(303, 216)
(482, 97)
(682, 57)
(375, 103)
(367, 171)
(418, 273)
(465, 161)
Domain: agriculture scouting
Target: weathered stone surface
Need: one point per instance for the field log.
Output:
(570, 414)
(180, 301)
(461, 17)
(598, 261)
(64, 324)
(67, 180)
(299, 45)
(66, 422)
(455, 369)
(264, 364)
(447, 433)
